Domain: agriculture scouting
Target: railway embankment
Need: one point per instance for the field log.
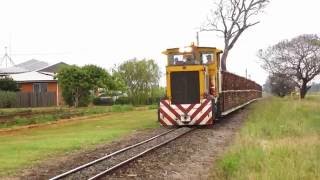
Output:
(279, 140)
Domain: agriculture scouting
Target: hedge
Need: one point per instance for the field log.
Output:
(7, 99)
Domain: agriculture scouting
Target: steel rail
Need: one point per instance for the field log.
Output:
(138, 155)
(79, 168)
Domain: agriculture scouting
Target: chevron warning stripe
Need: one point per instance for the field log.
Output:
(185, 114)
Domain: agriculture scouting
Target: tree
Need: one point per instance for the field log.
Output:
(78, 83)
(280, 84)
(75, 85)
(118, 82)
(156, 94)
(140, 76)
(8, 84)
(298, 59)
(98, 77)
(231, 18)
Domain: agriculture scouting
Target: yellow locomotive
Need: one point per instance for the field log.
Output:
(197, 91)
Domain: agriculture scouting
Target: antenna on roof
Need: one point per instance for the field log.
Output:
(6, 58)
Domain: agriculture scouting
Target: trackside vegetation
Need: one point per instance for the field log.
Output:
(280, 140)
(38, 116)
(25, 147)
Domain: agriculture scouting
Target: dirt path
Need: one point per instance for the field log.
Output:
(190, 157)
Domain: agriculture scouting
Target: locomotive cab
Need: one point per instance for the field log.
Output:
(192, 76)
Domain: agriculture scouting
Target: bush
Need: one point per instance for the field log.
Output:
(7, 99)
(103, 101)
(123, 100)
(85, 99)
(8, 84)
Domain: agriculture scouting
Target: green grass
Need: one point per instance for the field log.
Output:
(280, 140)
(60, 113)
(21, 148)
(10, 111)
(85, 110)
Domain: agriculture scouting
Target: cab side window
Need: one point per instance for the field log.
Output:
(176, 59)
(207, 58)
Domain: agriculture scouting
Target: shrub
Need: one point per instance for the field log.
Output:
(123, 100)
(103, 101)
(8, 84)
(7, 99)
(85, 100)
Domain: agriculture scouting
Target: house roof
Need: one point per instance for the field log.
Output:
(13, 70)
(31, 65)
(32, 77)
(54, 68)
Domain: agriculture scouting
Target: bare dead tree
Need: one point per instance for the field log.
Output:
(231, 18)
(298, 58)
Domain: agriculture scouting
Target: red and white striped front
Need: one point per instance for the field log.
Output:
(185, 114)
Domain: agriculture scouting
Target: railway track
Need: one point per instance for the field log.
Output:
(104, 165)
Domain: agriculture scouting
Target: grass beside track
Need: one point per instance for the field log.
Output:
(280, 140)
(28, 146)
(44, 115)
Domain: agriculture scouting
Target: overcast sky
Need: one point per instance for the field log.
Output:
(109, 32)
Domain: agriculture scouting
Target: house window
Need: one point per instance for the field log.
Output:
(40, 87)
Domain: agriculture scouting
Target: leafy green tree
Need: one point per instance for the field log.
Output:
(118, 82)
(156, 94)
(78, 83)
(98, 78)
(8, 84)
(140, 77)
(75, 85)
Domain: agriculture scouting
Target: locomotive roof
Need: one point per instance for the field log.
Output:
(201, 49)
